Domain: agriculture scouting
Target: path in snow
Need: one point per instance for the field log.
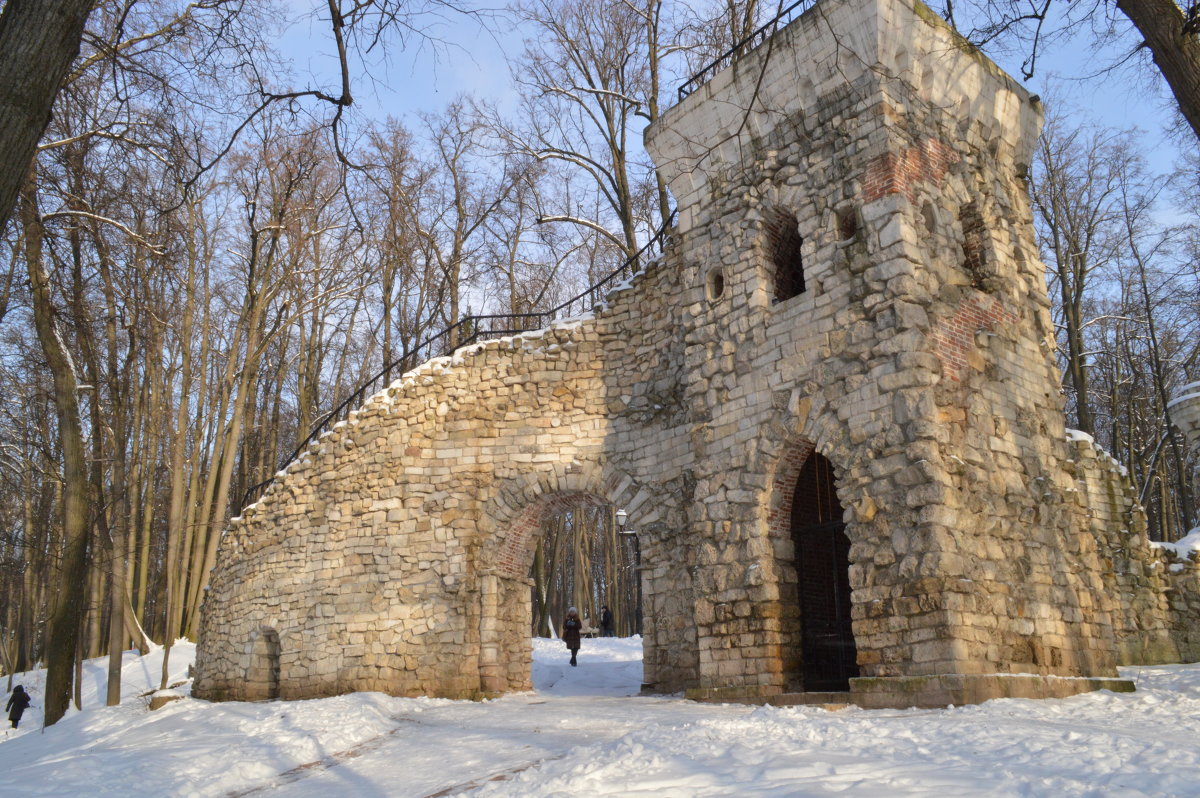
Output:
(452, 747)
(584, 733)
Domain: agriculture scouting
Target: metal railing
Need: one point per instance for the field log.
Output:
(782, 20)
(469, 330)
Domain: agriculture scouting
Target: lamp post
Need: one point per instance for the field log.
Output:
(626, 532)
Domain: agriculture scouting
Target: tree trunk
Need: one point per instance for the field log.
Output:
(63, 635)
(176, 516)
(1176, 52)
(1160, 388)
(38, 41)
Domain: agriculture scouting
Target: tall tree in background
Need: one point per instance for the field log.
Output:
(1125, 293)
(467, 190)
(582, 561)
(1150, 257)
(406, 292)
(587, 71)
(1076, 195)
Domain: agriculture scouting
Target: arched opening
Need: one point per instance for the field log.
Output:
(583, 560)
(262, 677)
(785, 249)
(560, 550)
(822, 559)
(714, 287)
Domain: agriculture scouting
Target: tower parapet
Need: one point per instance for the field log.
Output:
(1185, 414)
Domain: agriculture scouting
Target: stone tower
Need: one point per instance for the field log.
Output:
(830, 410)
(1185, 412)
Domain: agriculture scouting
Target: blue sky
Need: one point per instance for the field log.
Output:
(1106, 87)
(470, 57)
(462, 54)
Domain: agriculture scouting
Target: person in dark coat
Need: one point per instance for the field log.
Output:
(18, 702)
(606, 621)
(571, 628)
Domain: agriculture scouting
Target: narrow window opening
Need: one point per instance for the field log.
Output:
(784, 247)
(847, 224)
(715, 285)
(929, 217)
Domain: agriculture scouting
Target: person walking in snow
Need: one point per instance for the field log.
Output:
(18, 702)
(571, 629)
(606, 622)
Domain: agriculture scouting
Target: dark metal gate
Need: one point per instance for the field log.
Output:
(823, 574)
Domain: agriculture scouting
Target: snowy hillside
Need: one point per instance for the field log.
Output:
(581, 733)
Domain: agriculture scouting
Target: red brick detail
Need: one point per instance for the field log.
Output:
(954, 338)
(898, 173)
(515, 555)
(779, 516)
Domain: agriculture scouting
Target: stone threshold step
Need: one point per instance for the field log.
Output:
(830, 701)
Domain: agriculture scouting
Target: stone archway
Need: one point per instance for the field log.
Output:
(818, 650)
(514, 519)
(821, 552)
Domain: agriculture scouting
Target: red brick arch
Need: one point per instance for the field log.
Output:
(511, 520)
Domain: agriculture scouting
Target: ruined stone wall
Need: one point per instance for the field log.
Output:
(363, 557)
(1156, 595)
(394, 554)
(853, 273)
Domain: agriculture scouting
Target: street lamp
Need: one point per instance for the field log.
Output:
(626, 532)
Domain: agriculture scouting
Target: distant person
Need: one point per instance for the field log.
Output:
(18, 702)
(571, 629)
(606, 622)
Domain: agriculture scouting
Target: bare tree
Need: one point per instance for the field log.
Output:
(1147, 246)
(1167, 31)
(1076, 193)
(591, 74)
(1124, 287)
(466, 190)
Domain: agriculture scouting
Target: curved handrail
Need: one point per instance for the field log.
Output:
(743, 47)
(452, 338)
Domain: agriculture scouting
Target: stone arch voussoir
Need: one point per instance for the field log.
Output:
(510, 520)
(784, 451)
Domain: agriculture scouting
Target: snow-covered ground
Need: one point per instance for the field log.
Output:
(583, 732)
